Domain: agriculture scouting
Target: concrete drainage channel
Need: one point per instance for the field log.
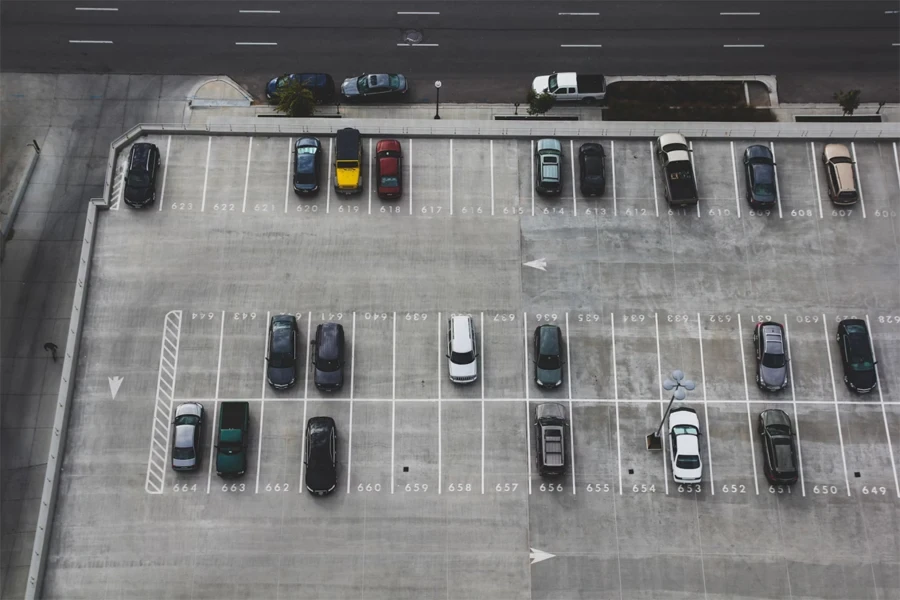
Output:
(418, 129)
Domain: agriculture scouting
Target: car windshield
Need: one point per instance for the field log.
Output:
(779, 430)
(685, 430)
(840, 159)
(395, 82)
(548, 362)
(690, 461)
(552, 85)
(363, 84)
(773, 361)
(183, 453)
(138, 179)
(187, 420)
(328, 365)
(390, 181)
(462, 358)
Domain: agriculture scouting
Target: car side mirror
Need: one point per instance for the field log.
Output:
(447, 355)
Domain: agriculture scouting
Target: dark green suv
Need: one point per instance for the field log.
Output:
(548, 356)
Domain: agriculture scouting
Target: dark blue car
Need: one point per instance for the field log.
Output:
(759, 173)
(307, 165)
(320, 84)
(281, 355)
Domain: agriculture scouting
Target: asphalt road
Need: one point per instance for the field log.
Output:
(482, 51)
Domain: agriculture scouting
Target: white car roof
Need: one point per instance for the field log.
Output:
(678, 156)
(683, 417)
(566, 79)
(462, 341)
(688, 445)
(671, 138)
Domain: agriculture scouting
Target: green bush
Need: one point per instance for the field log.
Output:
(538, 104)
(295, 100)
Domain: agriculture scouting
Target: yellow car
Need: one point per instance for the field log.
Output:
(348, 162)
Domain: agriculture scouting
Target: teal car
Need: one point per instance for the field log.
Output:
(548, 166)
(548, 361)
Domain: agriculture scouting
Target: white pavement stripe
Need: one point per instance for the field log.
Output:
(787, 335)
(330, 162)
(747, 396)
(739, 14)
(527, 406)
(580, 46)
(162, 410)
(90, 41)
(256, 43)
(859, 189)
(737, 194)
(712, 479)
(247, 175)
(440, 440)
(451, 176)
(212, 446)
(837, 412)
(653, 179)
(417, 12)
(409, 185)
(419, 45)
(393, 395)
(371, 157)
(352, 366)
(887, 430)
(694, 171)
(162, 191)
(571, 412)
(219, 363)
(301, 485)
(815, 170)
(574, 187)
(260, 12)
(612, 156)
(579, 14)
(662, 408)
(307, 361)
(290, 169)
(612, 327)
(743, 45)
(492, 178)
(481, 348)
(531, 162)
(206, 174)
(262, 397)
(896, 163)
(89, 8)
(777, 188)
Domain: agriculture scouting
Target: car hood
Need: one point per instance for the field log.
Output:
(329, 378)
(321, 480)
(137, 194)
(863, 379)
(539, 85)
(772, 377)
(282, 376)
(271, 87)
(549, 377)
(350, 87)
(469, 370)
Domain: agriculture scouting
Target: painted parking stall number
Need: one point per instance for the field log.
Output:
(551, 487)
(368, 487)
(506, 487)
(643, 488)
(780, 489)
(755, 212)
(598, 487)
(184, 487)
(261, 208)
(278, 487)
(690, 488)
(203, 316)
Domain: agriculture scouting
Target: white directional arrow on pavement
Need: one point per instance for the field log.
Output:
(537, 556)
(540, 263)
(114, 384)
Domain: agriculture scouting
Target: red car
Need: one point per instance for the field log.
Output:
(389, 169)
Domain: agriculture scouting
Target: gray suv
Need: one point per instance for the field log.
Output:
(771, 356)
(548, 166)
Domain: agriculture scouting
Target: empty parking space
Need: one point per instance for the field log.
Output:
(716, 177)
(198, 353)
(471, 178)
(243, 361)
(462, 440)
(226, 175)
(185, 173)
(267, 188)
(644, 472)
(595, 429)
(369, 443)
(636, 188)
(637, 355)
(506, 446)
(507, 193)
(869, 461)
(723, 359)
(810, 341)
(590, 341)
(822, 447)
(374, 355)
(418, 349)
(502, 354)
(417, 455)
(280, 448)
(432, 187)
(733, 448)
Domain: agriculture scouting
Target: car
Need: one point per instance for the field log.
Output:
(548, 356)
(550, 431)
(461, 350)
(839, 174)
(856, 355)
(759, 173)
(186, 441)
(389, 169)
(348, 161)
(328, 357)
(320, 84)
(684, 435)
(592, 165)
(548, 166)
(779, 453)
(380, 86)
(307, 165)
(771, 356)
(140, 179)
(321, 455)
(281, 357)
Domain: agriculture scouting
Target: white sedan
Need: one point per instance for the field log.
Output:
(684, 435)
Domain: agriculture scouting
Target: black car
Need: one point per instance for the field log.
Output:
(779, 452)
(592, 162)
(281, 370)
(550, 427)
(307, 165)
(771, 356)
(140, 181)
(328, 357)
(321, 85)
(548, 360)
(759, 173)
(856, 355)
(321, 455)
(381, 86)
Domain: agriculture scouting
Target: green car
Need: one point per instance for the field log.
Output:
(231, 442)
(548, 166)
(548, 356)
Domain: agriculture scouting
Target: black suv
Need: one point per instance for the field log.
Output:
(281, 355)
(140, 181)
(592, 163)
(856, 355)
(550, 427)
(321, 455)
(779, 453)
(548, 356)
(328, 357)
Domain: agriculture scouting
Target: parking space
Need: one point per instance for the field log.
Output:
(268, 183)
(374, 355)
(590, 344)
(636, 189)
(279, 454)
(595, 433)
(507, 447)
(462, 440)
(431, 175)
(419, 354)
(716, 177)
(471, 172)
(508, 197)
(869, 461)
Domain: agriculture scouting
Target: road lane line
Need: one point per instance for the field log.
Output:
(737, 194)
(837, 413)
(219, 365)
(739, 14)
(162, 192)
(260, 12)
(371, 156)
(896, 164)
(662, 408)
(787, 335)
(393, 395)
(812, 149)
(572, 164)
(743, 45)
(256, 43)
(105, 9)
(90, 41)
(352, 366)
(302, 485)
(862, 203)
(527, 403)
(653, 178)
(287, 186)
(887, 430)
(612, 325)
(777, 187)
(306, 376)
(747, 397)
(206, 174)
(492, 184)
(694, 171)
(417, 12)
(330, 162)
(481, 351)
(580, 46)
(712, 480)
(262, 402)
(579, 14)
(247, 175)
(571, 412)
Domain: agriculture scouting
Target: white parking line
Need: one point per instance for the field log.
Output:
(481, 351)
(571, 413)
(837, 412)
(580, 46)
(262, 403)
(206, 174)
(694, 169)
(712, 480)
(247, 176)
(612, 326)
(887, 431)
(162, 192)
(815, 169)
(579, 14)
(219, 364)
(743, 45)
(370, 175)
(896, 165)
(862, 203)
(451, 176)
(401, 12)
(612, 155)
(787, 335)
(747, 397)
(107, 9)
(653, 178)
(737, 194)
(574, 187)
(212, 446)
(260, 12)
(662, 405)
(439, 378)
(739, 14)
(290, 169)
(301, 485)
(256, 43)
(306, 377)
(90, 41)
(527, 403)
(777, 187)
(531, 160)
(352, 366)
(409, 183)
(330, 162)
(492, 187)
(393, 395)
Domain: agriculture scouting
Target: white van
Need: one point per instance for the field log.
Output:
(461, 350)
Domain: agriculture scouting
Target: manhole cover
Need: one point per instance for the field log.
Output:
(412, 36)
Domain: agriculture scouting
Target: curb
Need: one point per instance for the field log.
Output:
(198, 102)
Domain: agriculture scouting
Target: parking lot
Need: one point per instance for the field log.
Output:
(437, 491)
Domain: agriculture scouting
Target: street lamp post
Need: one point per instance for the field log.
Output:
(678, 384)
(437, 101)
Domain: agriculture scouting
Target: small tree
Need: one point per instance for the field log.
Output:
(295, 100)
(849, 100)
(538, 104)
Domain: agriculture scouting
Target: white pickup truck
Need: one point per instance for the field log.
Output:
(571, 87)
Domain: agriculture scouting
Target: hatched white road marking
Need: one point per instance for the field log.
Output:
(162, 412)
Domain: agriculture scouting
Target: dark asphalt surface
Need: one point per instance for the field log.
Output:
(487, 51)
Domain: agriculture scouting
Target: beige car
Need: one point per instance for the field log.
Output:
(839, 173)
